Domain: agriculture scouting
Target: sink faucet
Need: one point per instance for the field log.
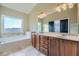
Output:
(63, 34)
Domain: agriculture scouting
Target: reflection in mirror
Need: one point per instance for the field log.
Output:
(62, 22)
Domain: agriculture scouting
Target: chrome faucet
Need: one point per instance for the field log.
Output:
(64, 34)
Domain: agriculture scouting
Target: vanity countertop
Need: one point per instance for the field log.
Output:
(61, 35)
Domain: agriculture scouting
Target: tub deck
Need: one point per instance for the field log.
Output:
(13, 44)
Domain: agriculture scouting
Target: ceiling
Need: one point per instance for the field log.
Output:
(22, 7)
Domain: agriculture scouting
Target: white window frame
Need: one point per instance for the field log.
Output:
(2, 25)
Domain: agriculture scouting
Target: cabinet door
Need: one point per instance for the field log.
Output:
(77, 48)
(68, 48)
(44, 45)
(34, 40)
(54, 46)
(37, 42)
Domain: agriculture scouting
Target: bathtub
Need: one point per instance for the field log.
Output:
(12, 44)
(14, 38)
(10, 39)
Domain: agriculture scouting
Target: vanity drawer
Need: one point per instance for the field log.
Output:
(44, 51)
(44, 44)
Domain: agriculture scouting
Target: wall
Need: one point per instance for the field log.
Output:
(33, 19)
(71, 14)
(11, 12)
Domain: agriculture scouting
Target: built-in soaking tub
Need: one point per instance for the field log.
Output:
(12, 44)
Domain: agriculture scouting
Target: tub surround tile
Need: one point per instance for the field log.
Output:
(8, 48)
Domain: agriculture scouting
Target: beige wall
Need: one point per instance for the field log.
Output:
(33, 22)
(71, 14)
(11, 12)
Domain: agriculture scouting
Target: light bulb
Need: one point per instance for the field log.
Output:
(70, 5)
(64, 7)
(58, 9)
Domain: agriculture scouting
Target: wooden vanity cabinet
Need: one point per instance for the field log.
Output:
(54, 46)
(44, 44)
(63, 47)
(68, 48)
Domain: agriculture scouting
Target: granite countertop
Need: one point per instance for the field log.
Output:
(61, 35)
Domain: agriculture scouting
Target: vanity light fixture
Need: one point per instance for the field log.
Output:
(70, 5)
(60, 8)
(64, 7)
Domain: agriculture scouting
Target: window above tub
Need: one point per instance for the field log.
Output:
(12, 24)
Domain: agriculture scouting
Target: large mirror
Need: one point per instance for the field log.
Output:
(64, 21)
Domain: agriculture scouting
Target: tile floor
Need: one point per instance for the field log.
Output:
(29, 51)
